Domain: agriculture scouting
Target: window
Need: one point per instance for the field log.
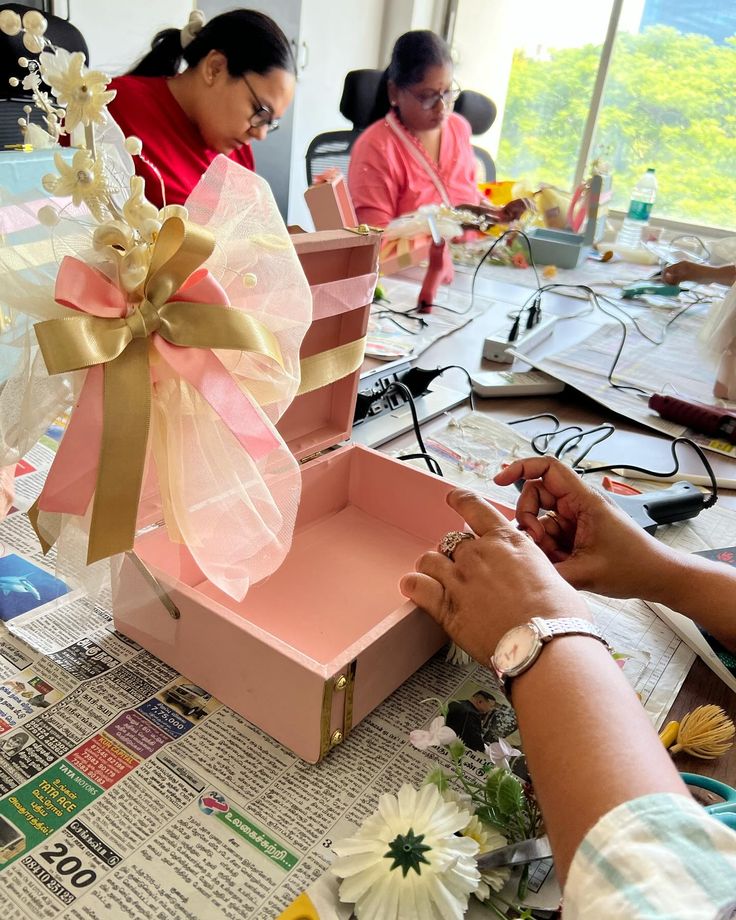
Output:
(667, 75)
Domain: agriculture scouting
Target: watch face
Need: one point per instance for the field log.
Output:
(518, 647)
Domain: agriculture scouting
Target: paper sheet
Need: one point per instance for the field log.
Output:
(675, 368)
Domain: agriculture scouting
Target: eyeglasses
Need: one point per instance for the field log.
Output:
(262, 114)
(448, 98)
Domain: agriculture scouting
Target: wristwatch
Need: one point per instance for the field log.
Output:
(519, 648)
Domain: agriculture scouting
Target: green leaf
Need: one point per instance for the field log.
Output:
(493, 781)
(509, 795)
(437, 777)
(456, 750)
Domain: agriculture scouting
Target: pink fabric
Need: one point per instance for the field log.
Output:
(71, 480)
(386, 181)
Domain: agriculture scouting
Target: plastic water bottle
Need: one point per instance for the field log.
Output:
(640, 207)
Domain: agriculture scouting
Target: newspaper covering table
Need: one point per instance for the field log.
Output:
(127, 792)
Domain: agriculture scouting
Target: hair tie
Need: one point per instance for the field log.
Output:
(192, 28)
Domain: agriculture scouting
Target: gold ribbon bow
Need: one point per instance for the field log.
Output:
(122, 345)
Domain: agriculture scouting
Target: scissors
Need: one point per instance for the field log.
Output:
(723, 810)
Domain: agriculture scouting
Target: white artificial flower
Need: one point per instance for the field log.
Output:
(114, 238)
(488, 839)
(83, 180)
(407, 860)
(83, 92)
(139, 212)
(500, 751)
(461, 799)
(31, 81)
(456, 655)
(437, 735)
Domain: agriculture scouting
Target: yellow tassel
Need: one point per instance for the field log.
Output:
(706, 732)
(668, 735)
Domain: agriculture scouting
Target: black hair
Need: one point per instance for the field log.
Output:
(414, 53)
(250, 41)
(486, 695)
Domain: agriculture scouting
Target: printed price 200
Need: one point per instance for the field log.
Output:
(69, 866)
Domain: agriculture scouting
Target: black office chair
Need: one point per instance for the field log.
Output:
(12, 99)
(480, 111)
(332, 149)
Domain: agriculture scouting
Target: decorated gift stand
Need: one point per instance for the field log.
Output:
(251, 547)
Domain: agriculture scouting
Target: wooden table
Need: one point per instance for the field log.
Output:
(631, 442)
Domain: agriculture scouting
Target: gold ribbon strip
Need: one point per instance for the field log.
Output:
(332, 365)
(122, 345)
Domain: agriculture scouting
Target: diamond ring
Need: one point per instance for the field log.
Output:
(450, 542)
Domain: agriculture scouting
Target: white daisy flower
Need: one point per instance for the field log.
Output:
(488, 839)
(83, 92)
(407, 860)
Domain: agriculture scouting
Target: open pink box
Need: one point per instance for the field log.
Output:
(313, 649)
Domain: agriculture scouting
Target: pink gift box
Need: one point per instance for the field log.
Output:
(399, 254)
(313, 649)
(330, 204)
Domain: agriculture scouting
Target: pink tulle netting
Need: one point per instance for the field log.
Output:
(235, 514)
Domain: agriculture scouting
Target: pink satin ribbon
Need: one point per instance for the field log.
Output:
(71, 481)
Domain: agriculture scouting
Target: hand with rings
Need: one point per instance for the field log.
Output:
(481, 584)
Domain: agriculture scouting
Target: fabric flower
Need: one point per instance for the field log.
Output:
(499, 752)
(82, 91)
(407, 860)
(488, 839)
(519, 260)
(437, 735)
(83, 180)
(139, 212)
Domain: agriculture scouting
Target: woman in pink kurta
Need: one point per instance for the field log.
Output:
(418, 150)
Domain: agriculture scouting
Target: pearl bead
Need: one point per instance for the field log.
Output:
(14, 81)
(134, 146)
(34, 22)
(249, 280)
(23, 61)
(34, 43)
(48, 216)
(9, 22)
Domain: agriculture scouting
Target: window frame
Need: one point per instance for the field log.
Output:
(596, 101)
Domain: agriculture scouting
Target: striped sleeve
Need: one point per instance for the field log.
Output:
(659, 857)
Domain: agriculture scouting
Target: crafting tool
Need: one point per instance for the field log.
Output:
(428, 293)
(712, 420)
(650, 287)
(724, 810)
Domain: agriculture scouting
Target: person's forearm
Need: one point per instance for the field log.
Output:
(724, 274)
(589, 743)
(701, 589)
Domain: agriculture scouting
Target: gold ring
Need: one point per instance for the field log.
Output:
(450, 542)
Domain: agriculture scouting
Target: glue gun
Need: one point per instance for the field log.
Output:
(428, 293)
(679, 502)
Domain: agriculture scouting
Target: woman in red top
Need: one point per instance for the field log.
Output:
(418, 151)
(238, 83)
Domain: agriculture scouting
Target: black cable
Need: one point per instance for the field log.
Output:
(428, 459)
(606, 430)
(459, 367)
(402, 388)
(391, 315)
(673, 447)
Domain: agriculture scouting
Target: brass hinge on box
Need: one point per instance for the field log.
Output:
(364, 229)
(319, 453)
(343, 683)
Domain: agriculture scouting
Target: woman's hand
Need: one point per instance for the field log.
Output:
(497, 581)
(498, 215)
(593, 545)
